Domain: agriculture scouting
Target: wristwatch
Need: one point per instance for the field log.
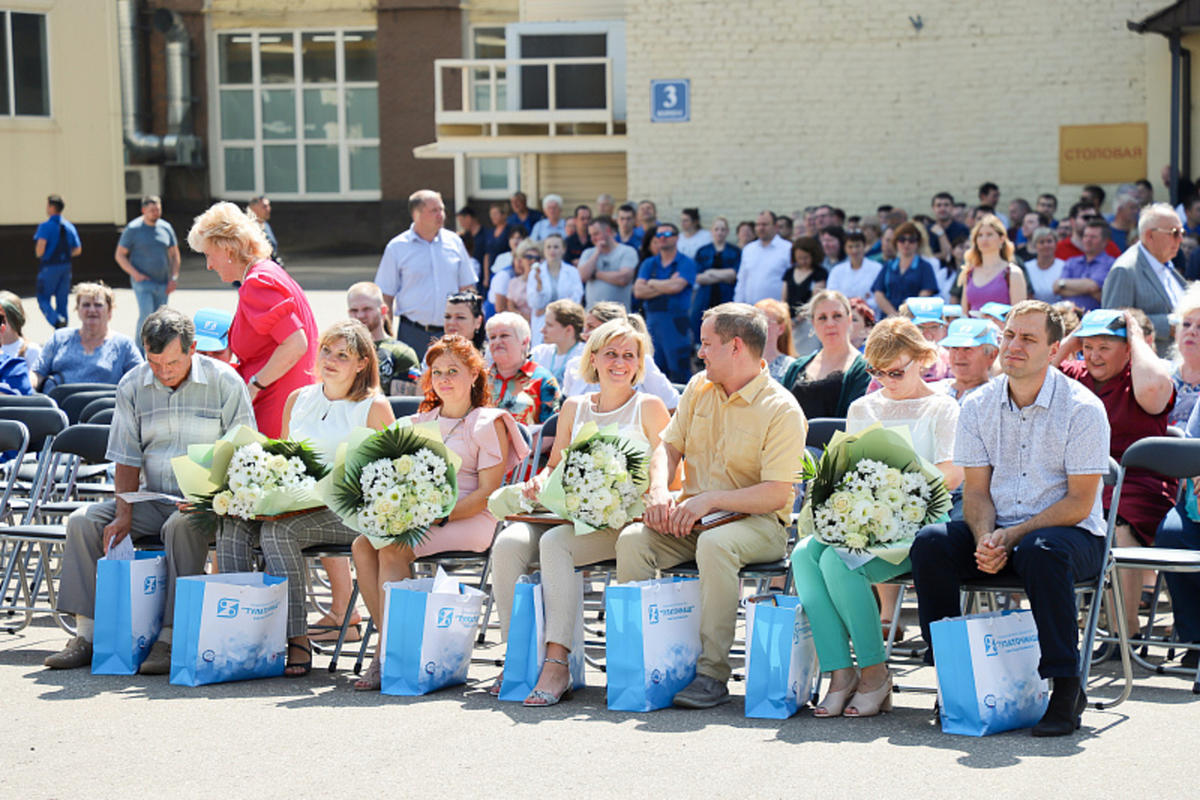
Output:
(258, 383)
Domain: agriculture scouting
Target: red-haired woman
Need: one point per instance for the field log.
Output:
(457, 393)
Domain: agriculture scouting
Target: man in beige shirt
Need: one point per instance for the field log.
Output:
(741, 437)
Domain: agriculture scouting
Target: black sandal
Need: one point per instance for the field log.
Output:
(305, 667)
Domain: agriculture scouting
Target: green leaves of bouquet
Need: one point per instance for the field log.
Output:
(392, 485)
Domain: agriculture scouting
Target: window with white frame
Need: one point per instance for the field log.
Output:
(490, 178)
(297, 114)
(24, 65)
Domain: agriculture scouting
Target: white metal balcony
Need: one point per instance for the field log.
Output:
(523, 97)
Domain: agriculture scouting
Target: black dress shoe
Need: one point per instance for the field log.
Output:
(1064, 715)
(1190, 660)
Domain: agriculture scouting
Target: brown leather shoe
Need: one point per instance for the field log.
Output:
(158, 660)
(77, 653)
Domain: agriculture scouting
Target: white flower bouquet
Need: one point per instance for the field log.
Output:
(870, 493)
(393, 485)
(600, 481)
(246, 475)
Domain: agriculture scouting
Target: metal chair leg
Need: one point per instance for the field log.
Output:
(341, 640)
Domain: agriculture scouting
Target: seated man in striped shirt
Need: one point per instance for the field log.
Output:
(174, 399)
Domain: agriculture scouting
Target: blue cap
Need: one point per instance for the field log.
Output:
(951, 311)
(1102, 322)
(925, 309)
(997, 311)
(969, 333)
(212, 329)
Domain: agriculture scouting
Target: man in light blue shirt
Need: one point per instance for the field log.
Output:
(553, 222)
(764, 263)
(148, 252)
(55, 243)
(420, 268)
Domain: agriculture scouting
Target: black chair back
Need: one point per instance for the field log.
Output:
(27, 401)
(13, 435)
(1114, 472)
(550, 427)
(821, 430)
(41, 422)
(68, 389)
(95, 407)
(104, 417)
(1164, 455)
(405, 406)
(73, 404)
(89, 442)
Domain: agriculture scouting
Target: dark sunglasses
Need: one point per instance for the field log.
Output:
(1176, 232)
(894, 374)
(531, 256)
(664, 235)
(908, 239)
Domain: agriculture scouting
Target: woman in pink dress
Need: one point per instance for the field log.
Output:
(457, 393)
(989, 274)
(274, 333)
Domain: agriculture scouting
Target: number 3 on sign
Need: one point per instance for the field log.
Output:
(670, 100)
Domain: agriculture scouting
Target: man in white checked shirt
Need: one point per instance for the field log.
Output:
(176, 398)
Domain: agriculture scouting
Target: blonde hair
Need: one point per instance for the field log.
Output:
(609, 331)
(895, 337)
(973, 258)
(358, 342)
(228, 227)
(522, 248)
(826, 296)
(778, 312)
(95, 289)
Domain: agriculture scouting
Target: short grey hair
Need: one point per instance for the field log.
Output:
(1153, 212)
(1126, 193)
(1041, 233)
(509, 319)
(552, 198)
(742, 321)
(165, 326)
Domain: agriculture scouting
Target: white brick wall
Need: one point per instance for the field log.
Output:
(796, 102)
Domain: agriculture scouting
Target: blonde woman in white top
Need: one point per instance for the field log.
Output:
(322, 414)
(615, 358)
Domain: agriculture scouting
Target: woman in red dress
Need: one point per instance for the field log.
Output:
(274, 333)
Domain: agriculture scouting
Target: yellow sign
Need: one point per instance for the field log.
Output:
(1102, 153)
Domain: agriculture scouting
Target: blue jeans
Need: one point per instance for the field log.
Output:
(54, 283)
(672, 340)
(1177, 531)
(150, 296)
(1048, 561)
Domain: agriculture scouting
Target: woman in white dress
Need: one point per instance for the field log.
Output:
(614, 357)
(552, 279)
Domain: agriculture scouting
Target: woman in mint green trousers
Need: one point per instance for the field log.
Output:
(837, 599)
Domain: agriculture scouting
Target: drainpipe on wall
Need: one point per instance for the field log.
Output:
(179, 145)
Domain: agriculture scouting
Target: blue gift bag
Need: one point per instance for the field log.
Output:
(527, 641)
(781, 659)
(987, 671)
(130, 595)
(652, 641)
(428, 634)
(229, 627)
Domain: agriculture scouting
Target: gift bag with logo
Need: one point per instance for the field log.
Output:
(527, 640)
(987, 671)
(652, 642)
(781, 659)
(428, 633)
(229, 627)
(130, 594)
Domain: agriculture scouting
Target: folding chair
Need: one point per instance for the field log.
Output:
(96, 406)
(59, 393)
(821, 430)
(74, 404)
(1170, 457)
(405, 406)
(14, 436)
(104, 417)
(44, 542)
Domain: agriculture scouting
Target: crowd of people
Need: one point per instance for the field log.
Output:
(1020, 352)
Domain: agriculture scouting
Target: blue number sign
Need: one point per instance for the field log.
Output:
(670, 100)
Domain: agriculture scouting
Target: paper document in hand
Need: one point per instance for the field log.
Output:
(141, 497)
(121, 551)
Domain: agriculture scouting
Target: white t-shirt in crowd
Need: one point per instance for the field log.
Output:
(1041, 281)
(855, 282)
(690, 245)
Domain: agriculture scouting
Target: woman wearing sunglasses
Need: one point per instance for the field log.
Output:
(837, 599)
(909, 274)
